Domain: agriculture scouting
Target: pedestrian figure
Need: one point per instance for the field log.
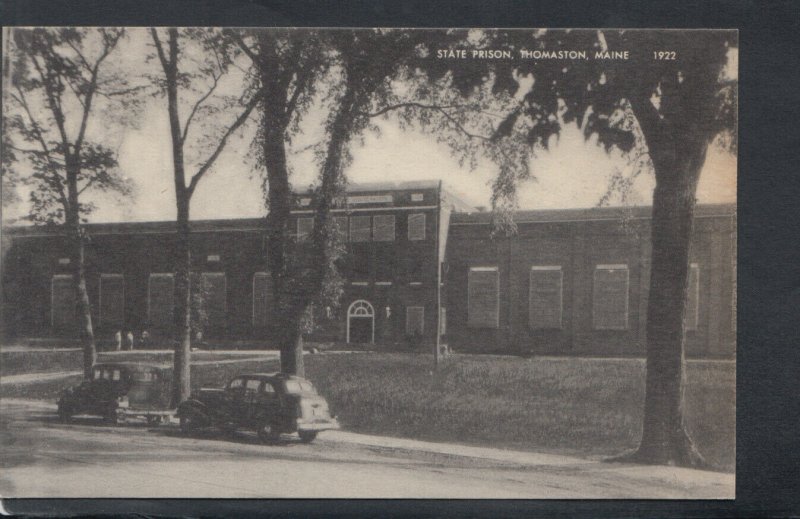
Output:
(145, 342)
(129, 341)
(118, 340)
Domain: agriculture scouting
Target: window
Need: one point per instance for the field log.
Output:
(106, 374)
(252, 385)
(262, 297)
(97, 374)
(236, 383)
(143, 376)
(610, 301)
(115, 375)
(160, 292)
(268, 388)
(416, 226)
(341, 227)
(360, 228)
(691, 318)
(545, 297)
(111, 310)
(384, 227)
(483, 297)
(304, 228)
(62, 302)
(214, 288)
(415, 320)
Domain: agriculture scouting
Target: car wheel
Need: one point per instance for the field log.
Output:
(188, 424)
(267, 433)
(307, 436)
(112, 418)
(228, 428)
(64, 415)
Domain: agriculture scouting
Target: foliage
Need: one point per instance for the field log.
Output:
(59, 78)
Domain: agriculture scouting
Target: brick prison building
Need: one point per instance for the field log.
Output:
(569, 282)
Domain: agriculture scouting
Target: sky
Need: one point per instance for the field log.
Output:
(572, 173)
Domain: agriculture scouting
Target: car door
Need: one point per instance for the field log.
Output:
(235, 401)
(252, 388)
(266, 407)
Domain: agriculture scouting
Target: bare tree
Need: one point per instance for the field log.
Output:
(182, 74)
(58, 77)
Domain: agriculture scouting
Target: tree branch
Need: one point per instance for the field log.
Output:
(239, 41)
(231, 129)
(196, 106)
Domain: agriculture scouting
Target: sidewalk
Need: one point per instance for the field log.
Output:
(656, 474)
(31, 378)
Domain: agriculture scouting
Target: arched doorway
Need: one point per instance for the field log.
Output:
(361, 322)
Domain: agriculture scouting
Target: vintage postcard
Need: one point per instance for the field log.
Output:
(368, 263)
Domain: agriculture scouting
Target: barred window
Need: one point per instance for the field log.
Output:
(384, 227)
(341, 227)
(360, 228)
(111, 310)
(262, 297)
(610, 301)
(160, 293)
(416, 226)
(692, 315)
(415, 320)
(62, 302)
(545, 297)
(483, 297)
(304, 228)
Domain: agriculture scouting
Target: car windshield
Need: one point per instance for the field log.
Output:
(299, 386)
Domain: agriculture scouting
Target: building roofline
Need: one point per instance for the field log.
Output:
(456, 219)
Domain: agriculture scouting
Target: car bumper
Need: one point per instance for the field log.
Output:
(317, 425)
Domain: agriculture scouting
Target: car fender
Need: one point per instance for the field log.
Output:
(193, 407)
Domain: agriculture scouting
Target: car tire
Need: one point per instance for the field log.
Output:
(111, 417)
(188, 424)
(307, 436)
(267, 433)
(64, 415)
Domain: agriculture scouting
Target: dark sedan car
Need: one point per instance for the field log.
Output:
(118, 390)
(269, 403)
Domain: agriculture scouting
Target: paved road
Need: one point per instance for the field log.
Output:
(43, 458)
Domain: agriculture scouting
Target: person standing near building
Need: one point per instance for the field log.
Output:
(129, 341)
(118, 340)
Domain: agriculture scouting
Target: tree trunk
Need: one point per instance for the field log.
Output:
(84, 306)
(183, 332)
(664, 436)
(292, 352)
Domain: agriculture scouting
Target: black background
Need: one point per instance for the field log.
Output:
(767, 482)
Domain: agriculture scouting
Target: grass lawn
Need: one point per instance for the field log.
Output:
(570, 406)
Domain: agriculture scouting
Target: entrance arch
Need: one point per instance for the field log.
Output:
(361, 315)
